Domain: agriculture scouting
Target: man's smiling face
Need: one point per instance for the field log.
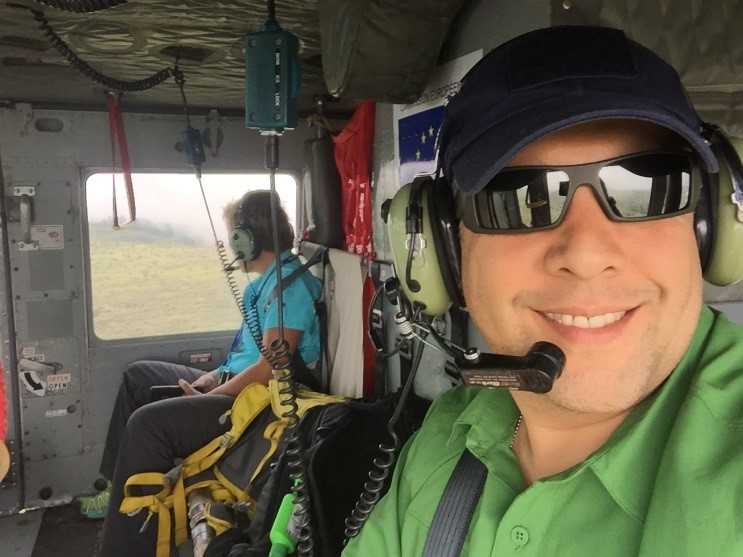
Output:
(638, 285)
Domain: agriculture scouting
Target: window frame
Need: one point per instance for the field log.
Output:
(90, 332)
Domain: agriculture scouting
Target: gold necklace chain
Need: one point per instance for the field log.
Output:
(516, 430)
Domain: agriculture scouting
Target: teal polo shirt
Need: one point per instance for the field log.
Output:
(299, 313)
(668, 483)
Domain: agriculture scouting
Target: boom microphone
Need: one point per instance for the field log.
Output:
(230, 267)
(535, 372)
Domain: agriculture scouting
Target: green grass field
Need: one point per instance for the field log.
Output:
(145, 288)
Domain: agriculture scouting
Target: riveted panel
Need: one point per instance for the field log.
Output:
(47, 270)
(49, 318)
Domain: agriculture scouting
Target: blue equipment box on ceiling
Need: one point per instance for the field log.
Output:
(272, 78)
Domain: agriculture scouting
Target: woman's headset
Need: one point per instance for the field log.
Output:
(424, 236)
(244, 241)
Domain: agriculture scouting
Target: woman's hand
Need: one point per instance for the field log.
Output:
(188, 388)
(203, 384)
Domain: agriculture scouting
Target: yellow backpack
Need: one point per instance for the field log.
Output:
(201, 469)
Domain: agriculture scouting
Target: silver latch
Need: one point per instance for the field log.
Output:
(21, 190)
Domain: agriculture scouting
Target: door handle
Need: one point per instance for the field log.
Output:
(26, 206)
(25, 195)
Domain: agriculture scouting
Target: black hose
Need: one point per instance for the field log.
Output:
(84, 68)
(413, 284)
(82, 6)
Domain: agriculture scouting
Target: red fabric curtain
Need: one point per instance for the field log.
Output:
(353, 157)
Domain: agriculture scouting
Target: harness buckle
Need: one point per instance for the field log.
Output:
(242, 507)
(225, 441)
(146, 522)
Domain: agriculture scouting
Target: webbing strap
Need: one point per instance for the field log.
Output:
(170, 498)
(454, 513)
(159, 504)
(318, 256)
(173, 494)
(180, 512)
(273, 433)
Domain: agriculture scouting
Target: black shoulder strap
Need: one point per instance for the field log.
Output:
(454, 513)
(318, 256)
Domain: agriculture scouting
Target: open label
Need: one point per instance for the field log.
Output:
(58, 383)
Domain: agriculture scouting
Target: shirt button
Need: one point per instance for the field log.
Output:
(519, 536)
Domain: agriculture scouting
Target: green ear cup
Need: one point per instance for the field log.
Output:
(726, 263)
(242, 244)
(425, 269)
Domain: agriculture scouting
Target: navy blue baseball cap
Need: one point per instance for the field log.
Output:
(550, 79)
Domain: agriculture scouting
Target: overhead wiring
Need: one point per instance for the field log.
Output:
(86, 69)
(82, 6)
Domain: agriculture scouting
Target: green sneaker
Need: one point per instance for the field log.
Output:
(95, 506)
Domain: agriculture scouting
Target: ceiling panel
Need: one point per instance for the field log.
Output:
(140, 37)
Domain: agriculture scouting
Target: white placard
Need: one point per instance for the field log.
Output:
(48, 236)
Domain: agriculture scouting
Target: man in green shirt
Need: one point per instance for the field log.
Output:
(590, 244)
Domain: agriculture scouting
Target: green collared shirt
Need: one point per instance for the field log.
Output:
(669, 482)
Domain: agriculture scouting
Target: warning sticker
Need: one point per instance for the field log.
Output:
(59, 412)
(58, 383)
(200, 358)
(48, 236)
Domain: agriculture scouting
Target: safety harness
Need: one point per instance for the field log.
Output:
(202, 470)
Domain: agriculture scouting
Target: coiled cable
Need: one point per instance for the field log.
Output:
(82, 6)
(231, 280)
(86, 69)
(295, 463)
(278, 355)
(383, 464)
(283, 373)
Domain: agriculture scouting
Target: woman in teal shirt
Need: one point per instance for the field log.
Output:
(157, 433)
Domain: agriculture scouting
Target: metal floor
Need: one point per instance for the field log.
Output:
(57, 532)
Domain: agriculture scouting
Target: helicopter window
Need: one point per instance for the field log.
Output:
(161, 275)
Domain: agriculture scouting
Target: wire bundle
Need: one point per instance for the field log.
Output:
(82, 6)
(86, 69)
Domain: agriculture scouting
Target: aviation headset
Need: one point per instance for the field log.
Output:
(253, 222)
(244, 243)
(424, 233)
